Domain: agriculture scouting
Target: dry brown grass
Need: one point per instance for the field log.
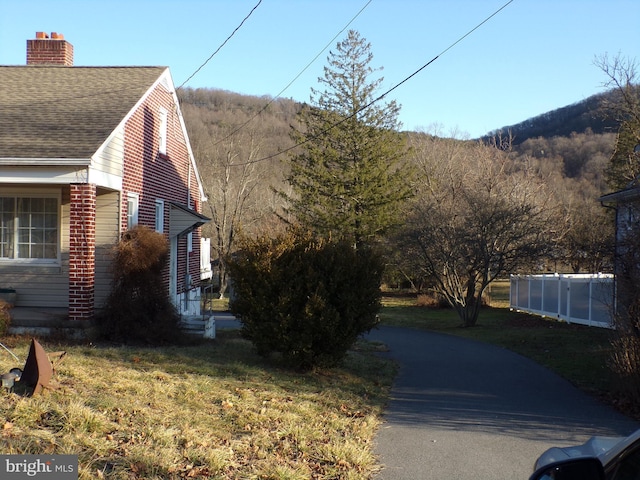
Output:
(214, 410)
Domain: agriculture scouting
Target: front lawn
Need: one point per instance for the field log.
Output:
(214, 410)
(217, 410)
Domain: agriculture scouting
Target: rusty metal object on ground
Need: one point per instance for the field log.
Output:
(38, 370)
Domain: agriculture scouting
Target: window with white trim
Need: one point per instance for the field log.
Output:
(29, 228)
(159, 215)
(162, 135)
(132, 210)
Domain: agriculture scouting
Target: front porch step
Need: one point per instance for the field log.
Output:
(202, 326)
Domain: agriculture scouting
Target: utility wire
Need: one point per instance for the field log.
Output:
(221, 45)
(329, 128)
(295, 78)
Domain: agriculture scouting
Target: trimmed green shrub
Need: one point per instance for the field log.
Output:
(138, 309)
(309, 300)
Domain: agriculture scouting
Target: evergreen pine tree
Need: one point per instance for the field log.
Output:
(348, 178)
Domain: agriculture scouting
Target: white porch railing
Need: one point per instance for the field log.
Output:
(192, 319)
(586, 299)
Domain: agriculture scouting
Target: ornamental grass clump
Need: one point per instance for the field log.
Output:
(5, 317)
(138, 309)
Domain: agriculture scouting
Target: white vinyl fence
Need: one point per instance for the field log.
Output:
(574, 298)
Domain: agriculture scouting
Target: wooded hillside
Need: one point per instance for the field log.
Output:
(578, 117)
(576, 140)
(242, 144)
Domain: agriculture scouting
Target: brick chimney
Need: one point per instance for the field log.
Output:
(45, 50)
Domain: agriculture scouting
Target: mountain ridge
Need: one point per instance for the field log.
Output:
(578, 117)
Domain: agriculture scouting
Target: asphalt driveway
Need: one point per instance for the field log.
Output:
(462, 409)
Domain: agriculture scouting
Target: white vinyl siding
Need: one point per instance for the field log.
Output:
(107, 211)
(111, 157)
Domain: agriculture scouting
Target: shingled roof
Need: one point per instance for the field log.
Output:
(58, 112)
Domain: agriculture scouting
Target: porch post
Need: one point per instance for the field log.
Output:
(82, 251)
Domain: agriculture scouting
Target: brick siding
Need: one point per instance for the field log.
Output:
(160, 176)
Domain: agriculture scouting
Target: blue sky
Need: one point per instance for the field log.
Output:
(532, 57)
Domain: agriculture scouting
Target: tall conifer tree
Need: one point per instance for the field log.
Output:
(348, 178)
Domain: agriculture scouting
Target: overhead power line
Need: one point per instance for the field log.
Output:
(328, 129)
(294, 78)
(221, 45)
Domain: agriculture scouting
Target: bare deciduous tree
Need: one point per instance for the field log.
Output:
(238, 182)
(587, 243)
(476, 217)
(230, 181)
(624, 169)
(622, 78)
